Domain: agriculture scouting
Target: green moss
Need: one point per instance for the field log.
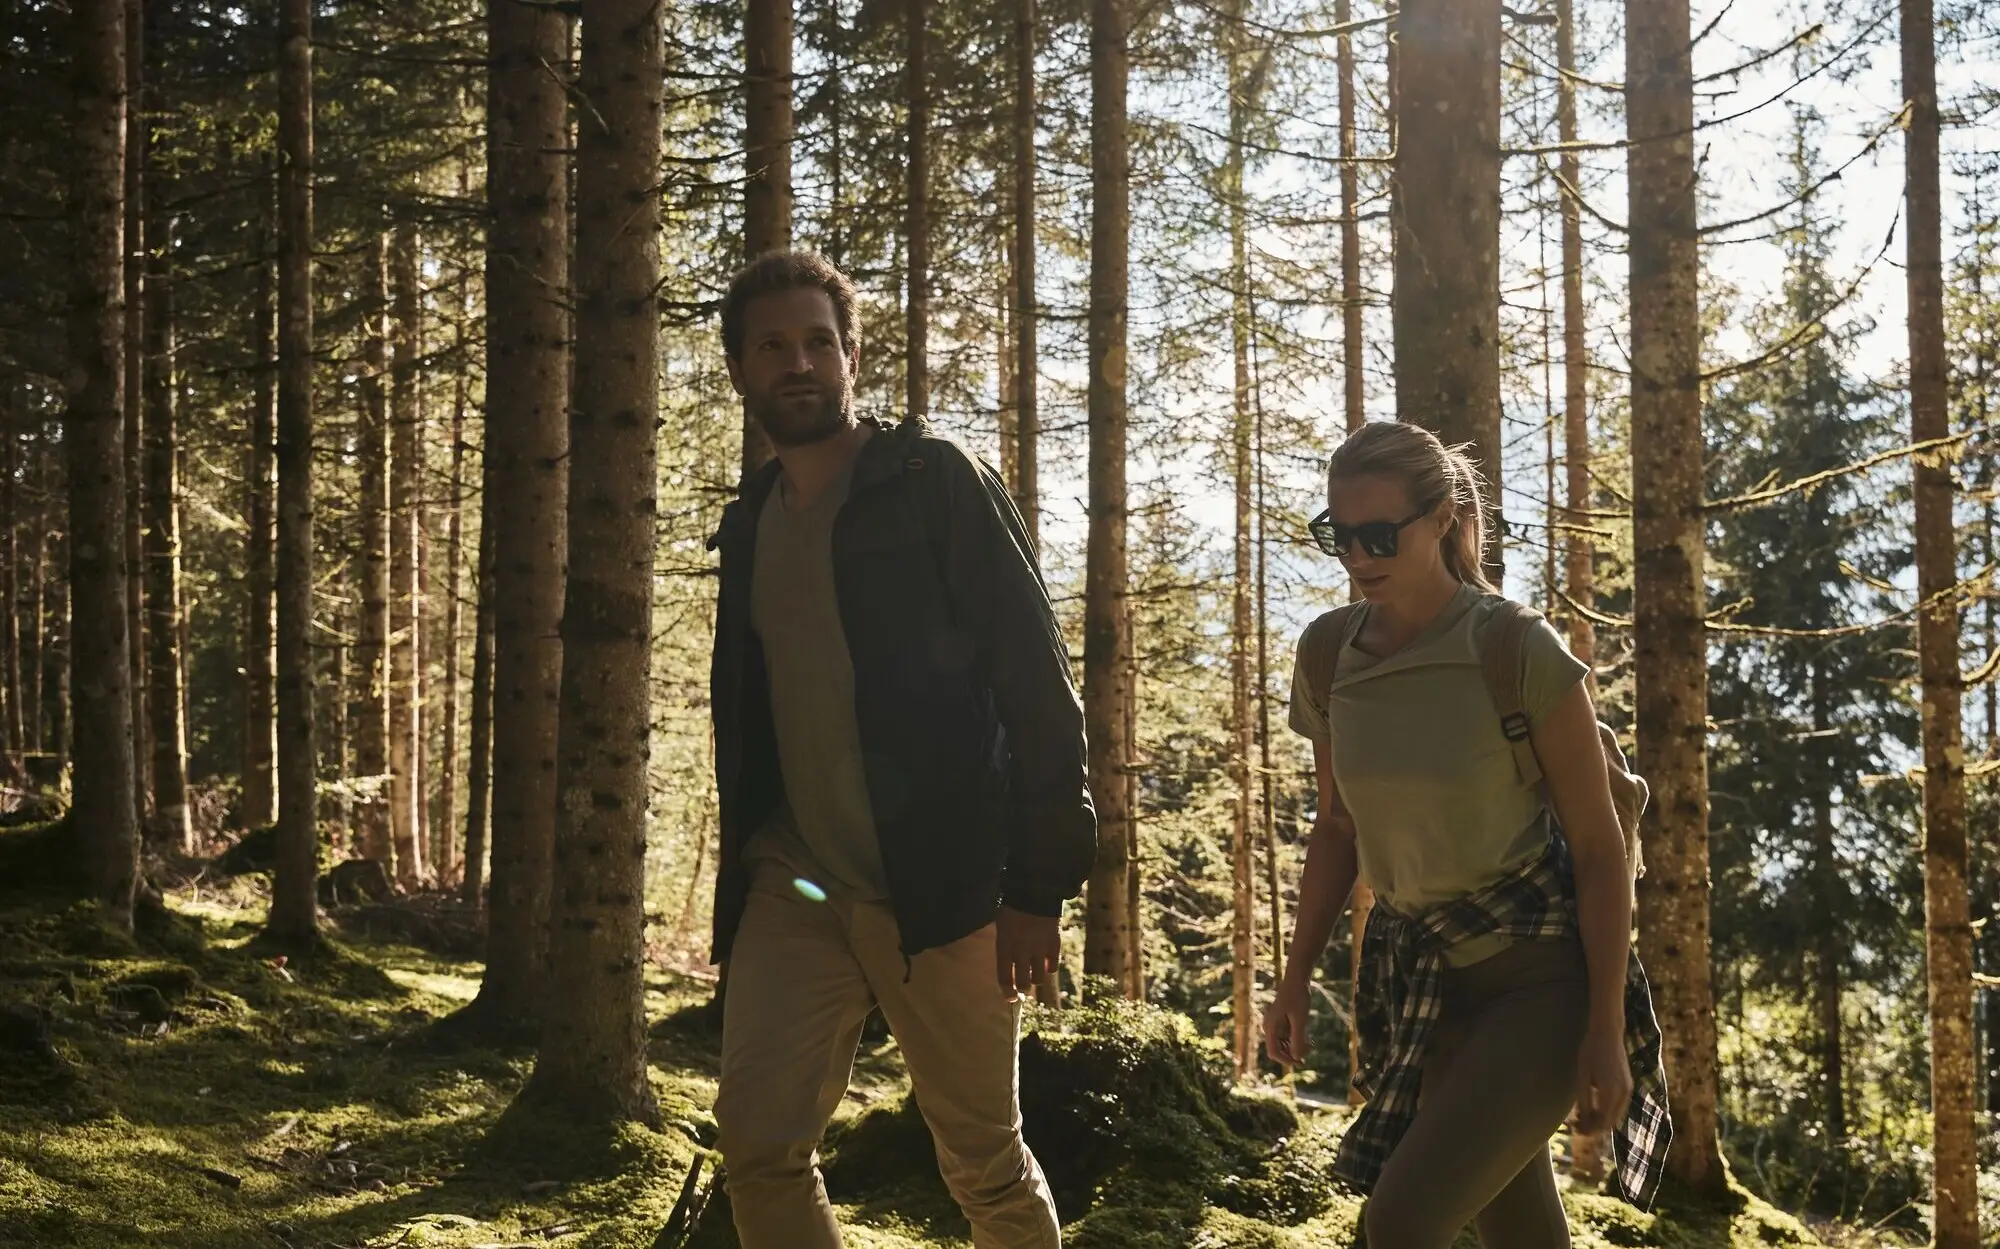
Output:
(311, 1102)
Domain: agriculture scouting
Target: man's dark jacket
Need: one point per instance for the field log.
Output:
(971, 734)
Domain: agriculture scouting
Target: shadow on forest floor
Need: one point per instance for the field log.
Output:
(183, 1091)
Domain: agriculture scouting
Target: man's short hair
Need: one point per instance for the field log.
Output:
(776, 272)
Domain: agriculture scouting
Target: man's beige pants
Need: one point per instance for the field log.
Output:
(802, 977)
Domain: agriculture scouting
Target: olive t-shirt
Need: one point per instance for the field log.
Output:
(825, 830)
(1419, 757)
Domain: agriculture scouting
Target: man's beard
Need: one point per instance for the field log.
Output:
(788, 425)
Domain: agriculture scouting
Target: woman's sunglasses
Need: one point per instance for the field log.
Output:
(1377, 537)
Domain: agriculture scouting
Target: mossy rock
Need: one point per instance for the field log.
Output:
(1294, 1182)
(1122, 1089)
(172, 982)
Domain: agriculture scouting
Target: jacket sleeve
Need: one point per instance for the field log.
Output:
(996, 587)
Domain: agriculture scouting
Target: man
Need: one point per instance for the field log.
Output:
(900, 760)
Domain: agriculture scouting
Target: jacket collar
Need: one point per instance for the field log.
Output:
(882, 457)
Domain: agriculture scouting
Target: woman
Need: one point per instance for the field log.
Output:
(1520, 933)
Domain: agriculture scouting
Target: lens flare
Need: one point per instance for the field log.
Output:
(808, 890)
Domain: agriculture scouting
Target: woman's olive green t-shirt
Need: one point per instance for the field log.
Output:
(1419, 757)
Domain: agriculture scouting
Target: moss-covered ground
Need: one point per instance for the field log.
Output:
(185, 1089)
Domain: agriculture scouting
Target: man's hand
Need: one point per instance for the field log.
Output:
(1027, 949)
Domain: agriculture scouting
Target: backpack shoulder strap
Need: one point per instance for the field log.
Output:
(1502, 645)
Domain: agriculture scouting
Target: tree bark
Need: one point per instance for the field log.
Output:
(917, 223)
(1354, 392)
(1027, 360)
(1446, 218)
(1578, 573)
(445, 821)
(479, 760)
(1135, 948)
(1273, 873)
(1671, 647)
(294, 911)
(103, 815)
(406, 673)
(1947, 906)
(10, 575)
(1589, 1155)
(162, 552)
(34, 653)
(260, 724)
(593, 1055)
(138, 147)
(1107, 635)
(336, 808)
(767, 144)
(1243, 932)
(61, 722)
(1006, 412)
(526, 489)
(368, 706)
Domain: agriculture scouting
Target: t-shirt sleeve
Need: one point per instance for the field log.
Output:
(1312, 678)
(1548, 670)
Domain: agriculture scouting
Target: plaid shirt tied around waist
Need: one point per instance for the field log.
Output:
(1401, 993)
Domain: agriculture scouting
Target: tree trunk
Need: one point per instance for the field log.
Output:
(406, 673)
(1354, 376)
(163, 554)
(1947, 907)
(445, 821)
(368, 709)
(34, 654)
(526, 490)
(294, 911)
(336, 808)
(767, 143)
(1243, 932)
(593, 1055)
(1671, 648)
(1027, 365)
(1107, 634)
(1273, 874)
(479, 761)
(1577, 569)
(1352, 297)
(1006, 413)
(917, 221)
(62, 725)
(1589, 1155)
(1135, 948)
(106, 824)
(10, 575)
(260, 726)
(1446, 217)
(137, 151)
(836, 137)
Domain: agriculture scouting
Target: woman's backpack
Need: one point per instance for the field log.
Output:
(1501, 644)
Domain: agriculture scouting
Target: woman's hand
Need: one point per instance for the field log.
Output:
(1285, 1023)
(1603, 1080)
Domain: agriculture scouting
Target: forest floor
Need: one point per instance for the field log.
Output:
(185, 1090)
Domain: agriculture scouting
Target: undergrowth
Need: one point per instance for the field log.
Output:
(188, 1089)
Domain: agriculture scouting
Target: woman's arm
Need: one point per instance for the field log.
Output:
(1324, 887)
(1572, 761)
